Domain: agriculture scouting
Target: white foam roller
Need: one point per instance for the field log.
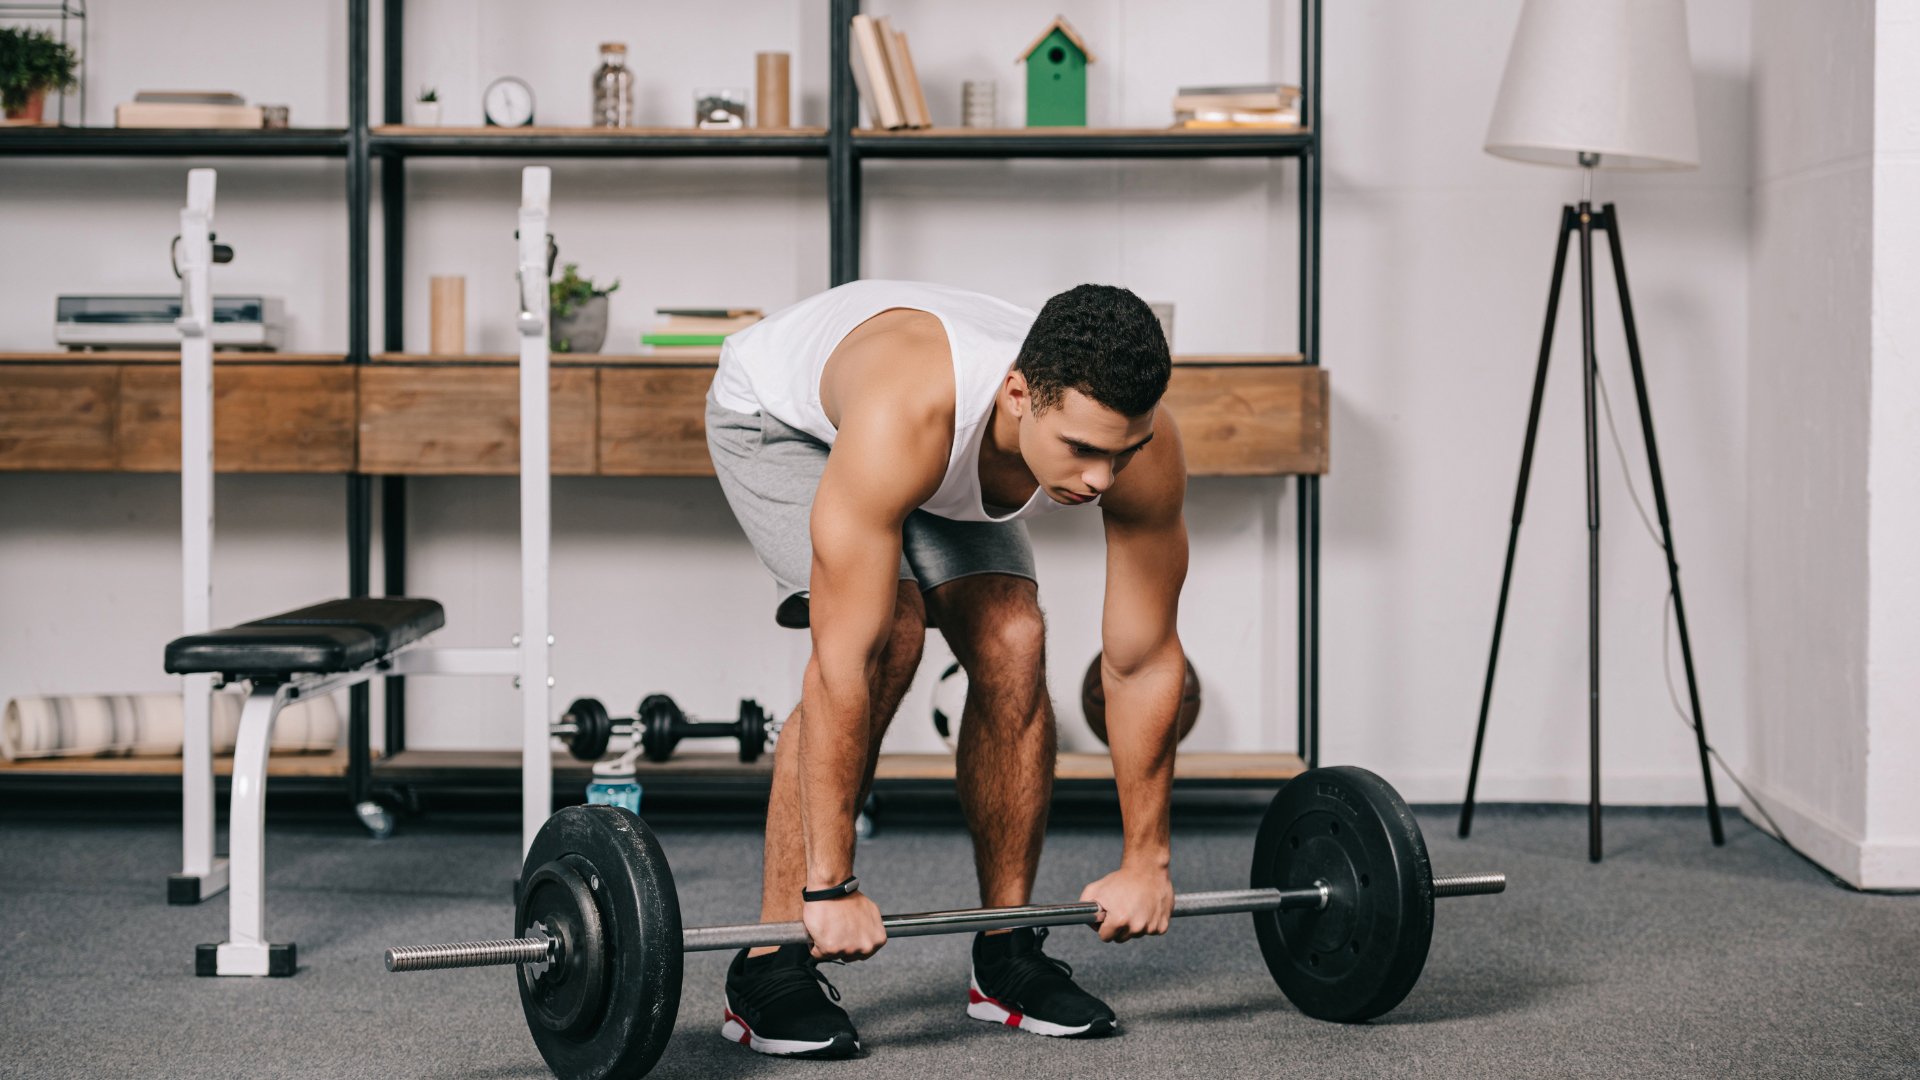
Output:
(124, 725)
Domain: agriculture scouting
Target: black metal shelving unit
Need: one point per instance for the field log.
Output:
(846, 149)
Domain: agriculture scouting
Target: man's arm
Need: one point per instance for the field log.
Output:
(1143, 672)
(889, 456)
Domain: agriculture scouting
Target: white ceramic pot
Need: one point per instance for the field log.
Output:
(426, 114)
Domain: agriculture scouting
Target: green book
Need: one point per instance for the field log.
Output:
(682, 339)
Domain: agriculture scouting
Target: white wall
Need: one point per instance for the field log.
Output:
(1834, 508)
(1891, 854)
(1434, 277)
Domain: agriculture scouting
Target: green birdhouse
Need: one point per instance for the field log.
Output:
(1057, 77)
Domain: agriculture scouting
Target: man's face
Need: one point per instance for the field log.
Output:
(1076, 448)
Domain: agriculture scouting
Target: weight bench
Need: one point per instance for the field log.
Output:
(300, 654)
(319, 649)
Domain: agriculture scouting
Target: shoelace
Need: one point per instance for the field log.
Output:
(773, 984)
(1019, 973)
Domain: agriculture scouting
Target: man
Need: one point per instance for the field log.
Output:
(882, 445)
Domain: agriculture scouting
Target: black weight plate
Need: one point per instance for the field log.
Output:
(1358, 957)
(753, 730)
(632, 890)
(559, 895)
(593, 729)
(654, 724)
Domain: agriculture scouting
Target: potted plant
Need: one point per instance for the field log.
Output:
(579, 312)
(426, 108)
(32, 63)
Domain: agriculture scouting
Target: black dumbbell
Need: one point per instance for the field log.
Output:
(587, 729)
(662, 725)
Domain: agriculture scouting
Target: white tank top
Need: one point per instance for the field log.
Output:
(774, 367)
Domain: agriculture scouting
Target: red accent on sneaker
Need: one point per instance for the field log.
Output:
(975, 997)
(746, 1033)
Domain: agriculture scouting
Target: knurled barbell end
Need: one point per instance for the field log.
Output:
(1453, 885)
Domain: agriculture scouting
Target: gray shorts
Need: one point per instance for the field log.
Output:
(769, 472)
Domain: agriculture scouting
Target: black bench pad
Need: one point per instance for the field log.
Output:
(335, 636)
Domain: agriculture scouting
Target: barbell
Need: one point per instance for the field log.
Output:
(1341, 895)
(587, 728)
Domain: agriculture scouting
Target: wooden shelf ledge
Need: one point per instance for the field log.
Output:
(329, 764)
(1078, 768)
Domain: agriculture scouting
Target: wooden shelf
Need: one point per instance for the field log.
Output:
(406, 141)
(557, 359)
(1065, 142)
(692, 360)
(328, 765)
(622, 415)
(163, 356)
(174, 142)
(490, 767)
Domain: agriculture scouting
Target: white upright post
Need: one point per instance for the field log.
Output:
(536, 766)
(201, 874)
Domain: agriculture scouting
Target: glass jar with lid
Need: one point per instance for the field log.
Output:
(613, 88)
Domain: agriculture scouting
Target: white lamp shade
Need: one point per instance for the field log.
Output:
(1606, 77)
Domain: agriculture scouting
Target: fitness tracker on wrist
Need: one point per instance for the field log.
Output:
(832, 892)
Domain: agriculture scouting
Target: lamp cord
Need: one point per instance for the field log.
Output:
(1666, 663)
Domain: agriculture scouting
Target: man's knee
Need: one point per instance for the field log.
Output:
(1003, 638)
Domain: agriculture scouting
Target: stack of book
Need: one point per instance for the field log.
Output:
(696, 332)
(187, 109)
(883, 70)
(1259, 105)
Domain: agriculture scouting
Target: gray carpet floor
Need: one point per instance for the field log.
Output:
(1670, 959)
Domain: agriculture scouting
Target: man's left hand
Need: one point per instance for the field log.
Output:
(1134, 902)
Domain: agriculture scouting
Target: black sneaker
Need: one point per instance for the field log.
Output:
(774, 1004)
(1016, 984)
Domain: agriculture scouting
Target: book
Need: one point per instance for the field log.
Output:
(1227, 97)
(1238, 117)
(188, 97)
(709, 340)
(709, 313)
(1198, 125)
(143, 114)
(906, 83)
(1242, 88)
(687, 324)
(919, 94)
(872, 76)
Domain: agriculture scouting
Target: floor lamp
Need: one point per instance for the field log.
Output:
(1596, 86)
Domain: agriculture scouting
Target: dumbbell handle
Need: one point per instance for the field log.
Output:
(755, 935)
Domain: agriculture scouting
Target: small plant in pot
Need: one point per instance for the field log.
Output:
(579, 312)
(426, 108)
(33, 63)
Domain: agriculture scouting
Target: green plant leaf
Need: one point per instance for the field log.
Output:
(32, 61)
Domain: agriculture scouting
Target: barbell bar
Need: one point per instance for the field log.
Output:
(922, 924)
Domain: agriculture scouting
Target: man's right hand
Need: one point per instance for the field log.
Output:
(844, 928)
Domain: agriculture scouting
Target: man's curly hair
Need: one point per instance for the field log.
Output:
(1101, 340)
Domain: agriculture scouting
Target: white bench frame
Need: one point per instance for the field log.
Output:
(204, 873)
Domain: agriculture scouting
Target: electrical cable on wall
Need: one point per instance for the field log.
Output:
(1666, 665)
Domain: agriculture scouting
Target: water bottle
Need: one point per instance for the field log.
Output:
(614, 785)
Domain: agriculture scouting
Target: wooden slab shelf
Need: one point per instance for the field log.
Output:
(612, 415)
(101, 415)
(612, 134)
(485, 767)
(142, 356)
(332, 764)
